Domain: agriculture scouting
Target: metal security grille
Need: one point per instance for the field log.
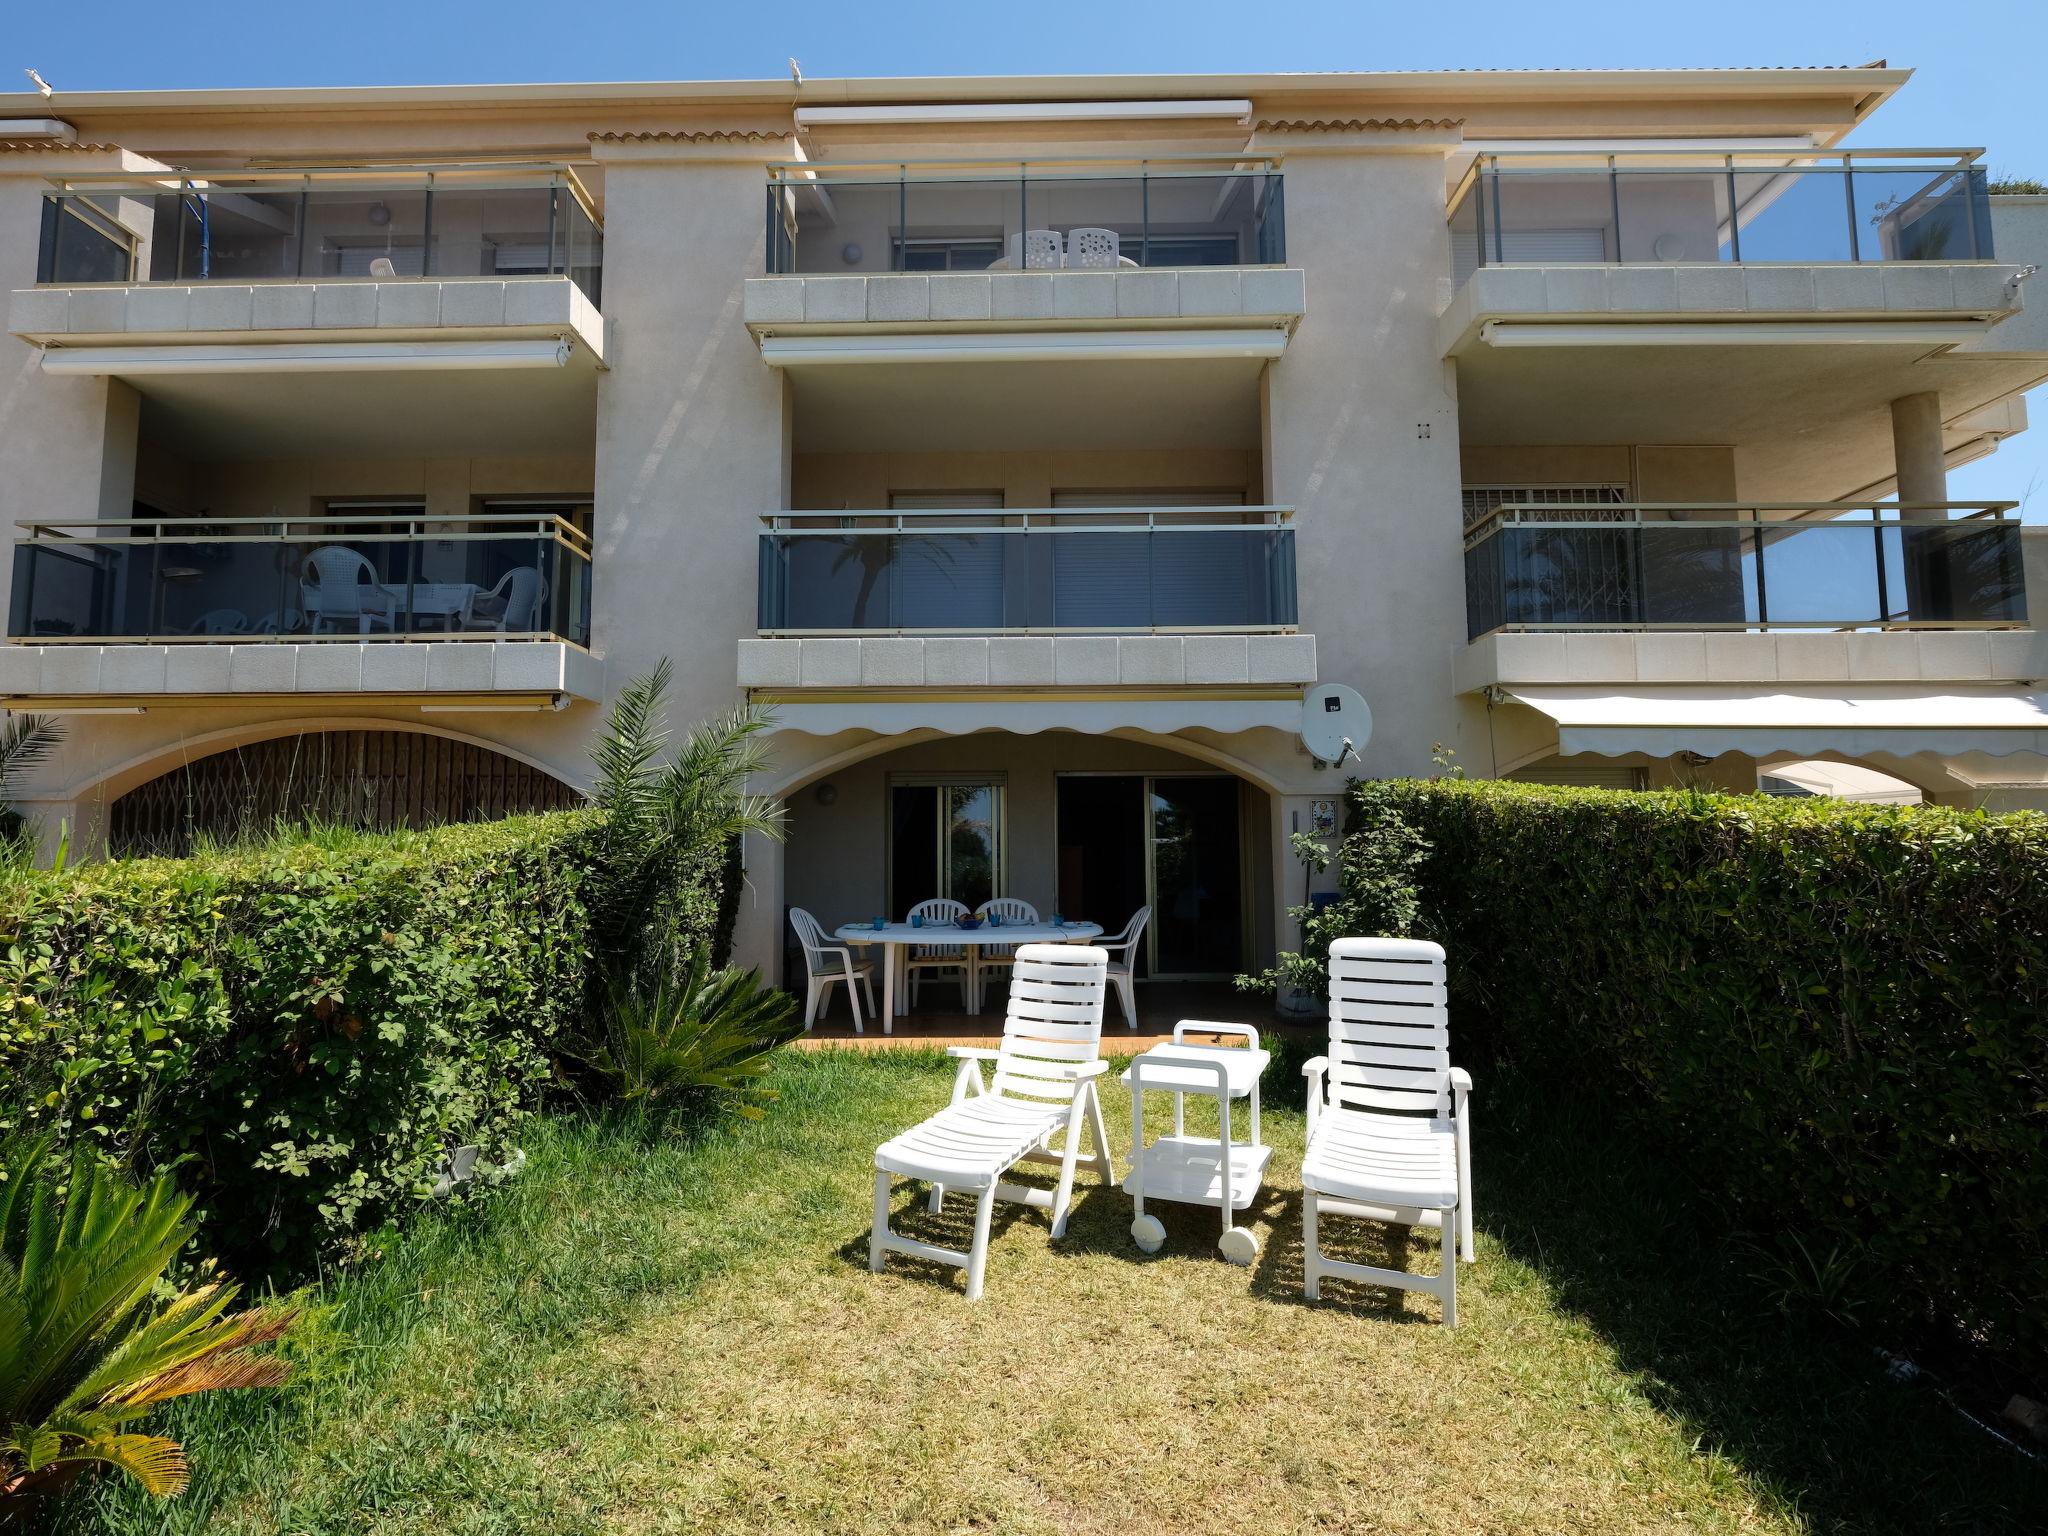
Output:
(377, 780)
(1480, 500)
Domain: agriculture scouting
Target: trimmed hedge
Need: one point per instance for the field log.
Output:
(1835, 1018)
(308, 1029)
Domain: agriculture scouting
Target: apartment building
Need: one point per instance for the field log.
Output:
(1051, 453)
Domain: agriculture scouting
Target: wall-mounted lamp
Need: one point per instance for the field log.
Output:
(826, 794)
(851, 253)
(380, 214)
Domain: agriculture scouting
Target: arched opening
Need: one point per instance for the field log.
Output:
(378, 780)
(1088, 826)
(1807, 778)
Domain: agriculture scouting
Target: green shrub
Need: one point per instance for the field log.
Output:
(1835, 1018)
(307, 1029)
(1376, 895)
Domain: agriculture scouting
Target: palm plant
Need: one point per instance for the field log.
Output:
(25, 740)
(84, 1349)
(704, 1034)
(663, 816)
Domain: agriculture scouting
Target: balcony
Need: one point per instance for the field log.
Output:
(338, 578)
(316, 226)
(1147, 571)
(981, 263)
(1877, 256)
(966, 602)
(1024, 216)
(1664, 208)
(1744, 567)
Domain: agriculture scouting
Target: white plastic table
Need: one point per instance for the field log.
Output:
(893, 936)
(1198, 1170)
(448, 601)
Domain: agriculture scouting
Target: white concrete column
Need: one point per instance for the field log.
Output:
(1360, 423)
(757, 927)
(1917, 454)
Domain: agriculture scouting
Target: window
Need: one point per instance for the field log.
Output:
(1159, 250)
(1480, 500)
(965, 254)
(945, 839)
(945, 501)
(84, 243)
(525, 255)
(1122, 580)
(1530, 247)
(1146, 496)
(401, 517)
(573, 510)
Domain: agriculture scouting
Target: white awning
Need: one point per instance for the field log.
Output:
(1027, 717)
(1127, 346)
(309, 357)
(1853, 720)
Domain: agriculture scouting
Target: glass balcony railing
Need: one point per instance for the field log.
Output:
(1835, 565)
(322, 225)
(1666, 207)
(331, 578)
(1023, 217)
(1012, 572)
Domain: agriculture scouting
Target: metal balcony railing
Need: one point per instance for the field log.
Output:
(244, 579)
(980, 216)
(1136, 570)
(381, 223)
(1745, 566)
(1673, 206)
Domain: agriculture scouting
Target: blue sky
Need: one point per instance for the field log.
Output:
(1978, 62)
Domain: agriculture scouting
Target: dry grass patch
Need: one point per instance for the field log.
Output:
(650, 1333)
(1095, 1389)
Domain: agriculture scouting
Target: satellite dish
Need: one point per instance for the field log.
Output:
(1335, 723)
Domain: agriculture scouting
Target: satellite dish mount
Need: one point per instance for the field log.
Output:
(1336, 724)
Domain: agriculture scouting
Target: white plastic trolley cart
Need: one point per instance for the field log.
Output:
(1198, 1170)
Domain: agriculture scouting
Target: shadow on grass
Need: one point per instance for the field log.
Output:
(1803, 1409)
(1092, 1222)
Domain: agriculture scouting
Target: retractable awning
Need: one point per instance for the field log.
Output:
(1853, 720)
(1278, 709)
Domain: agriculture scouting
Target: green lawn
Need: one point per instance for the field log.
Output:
(646, 1333)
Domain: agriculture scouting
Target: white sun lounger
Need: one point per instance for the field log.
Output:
(1044, 1080)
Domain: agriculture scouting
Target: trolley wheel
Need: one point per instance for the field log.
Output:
(1149, 1233)
(1239, 1245)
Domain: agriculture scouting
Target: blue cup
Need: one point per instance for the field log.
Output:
(1058, 921)
(917, 919)
(881, 923)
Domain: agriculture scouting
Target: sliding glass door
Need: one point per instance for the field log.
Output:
(1171, 842)
(945, 839)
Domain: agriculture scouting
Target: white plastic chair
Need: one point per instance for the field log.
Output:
(826, 965)
(1093, 248)
(1011, 909)
(336, 583)
(1393, 1141)
(1123, 960)
(920, 958)
(1038, 249)
(1044, 1080)
(513, 605)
